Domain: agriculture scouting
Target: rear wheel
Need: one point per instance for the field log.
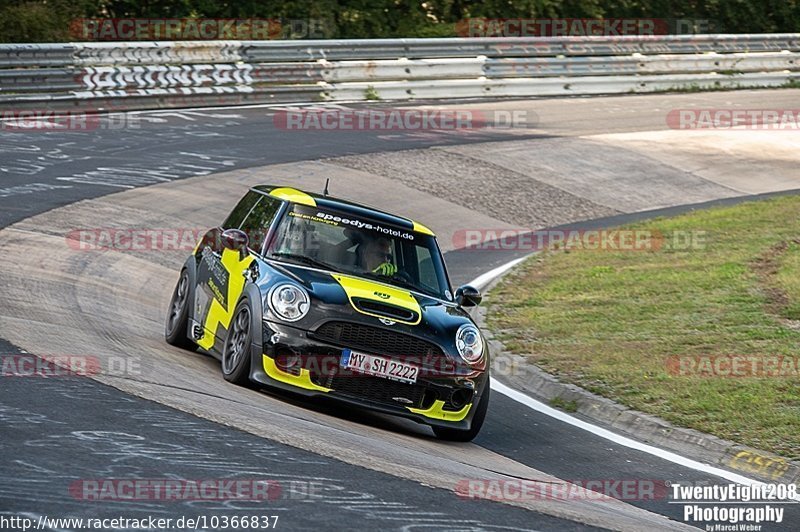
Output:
(477, 422)
(178, 315)
(236, 354)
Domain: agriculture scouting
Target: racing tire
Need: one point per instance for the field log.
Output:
(236, 353)
(178, 314)
(449, 434)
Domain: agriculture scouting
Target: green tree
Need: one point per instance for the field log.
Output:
(49, 20)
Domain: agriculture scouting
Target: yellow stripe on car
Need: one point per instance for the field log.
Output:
(356, 287)
(301, 381)
(419, 228)
(437, 411)
(293, 195)
(217, 314)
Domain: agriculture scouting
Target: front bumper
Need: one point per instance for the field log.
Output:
(294, 360)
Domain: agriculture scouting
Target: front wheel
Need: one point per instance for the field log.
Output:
(178, 314)
(236, 354)
(445, 433)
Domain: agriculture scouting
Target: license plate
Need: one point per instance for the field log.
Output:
(379, 366)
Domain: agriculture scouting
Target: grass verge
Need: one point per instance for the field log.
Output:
(621, 323)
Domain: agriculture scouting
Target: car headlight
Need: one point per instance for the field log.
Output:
(288, 301)
(469, 343)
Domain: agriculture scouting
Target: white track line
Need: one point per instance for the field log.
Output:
(218, 108)
(530, 402)
(559, 415)
(331, 104)
(482, 280)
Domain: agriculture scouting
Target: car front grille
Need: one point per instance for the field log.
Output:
(382, 342)
(377, 340)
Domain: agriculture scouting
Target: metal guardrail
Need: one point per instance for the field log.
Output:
(136, 75)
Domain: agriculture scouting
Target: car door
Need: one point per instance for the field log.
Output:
(222, 273)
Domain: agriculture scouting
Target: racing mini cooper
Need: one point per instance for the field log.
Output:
(327, 298)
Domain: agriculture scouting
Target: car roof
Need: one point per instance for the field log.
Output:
(302, 197)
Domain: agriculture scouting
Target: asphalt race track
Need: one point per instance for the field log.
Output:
(174, 416)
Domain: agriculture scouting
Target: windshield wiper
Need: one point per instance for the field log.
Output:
(305, 259)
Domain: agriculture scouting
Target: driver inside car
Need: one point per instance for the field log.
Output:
(376, 257)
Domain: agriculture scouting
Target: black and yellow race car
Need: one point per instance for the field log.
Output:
(328, 298)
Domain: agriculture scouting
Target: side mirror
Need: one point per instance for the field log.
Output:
(235, 240)
(467, 296)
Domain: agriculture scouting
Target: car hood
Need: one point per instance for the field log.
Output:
(375, 304)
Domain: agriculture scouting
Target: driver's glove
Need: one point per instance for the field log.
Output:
(387, 268)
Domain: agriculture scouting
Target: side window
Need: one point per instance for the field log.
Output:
(236, 217)
(257, 223)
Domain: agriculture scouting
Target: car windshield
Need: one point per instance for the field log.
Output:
(347, 244)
